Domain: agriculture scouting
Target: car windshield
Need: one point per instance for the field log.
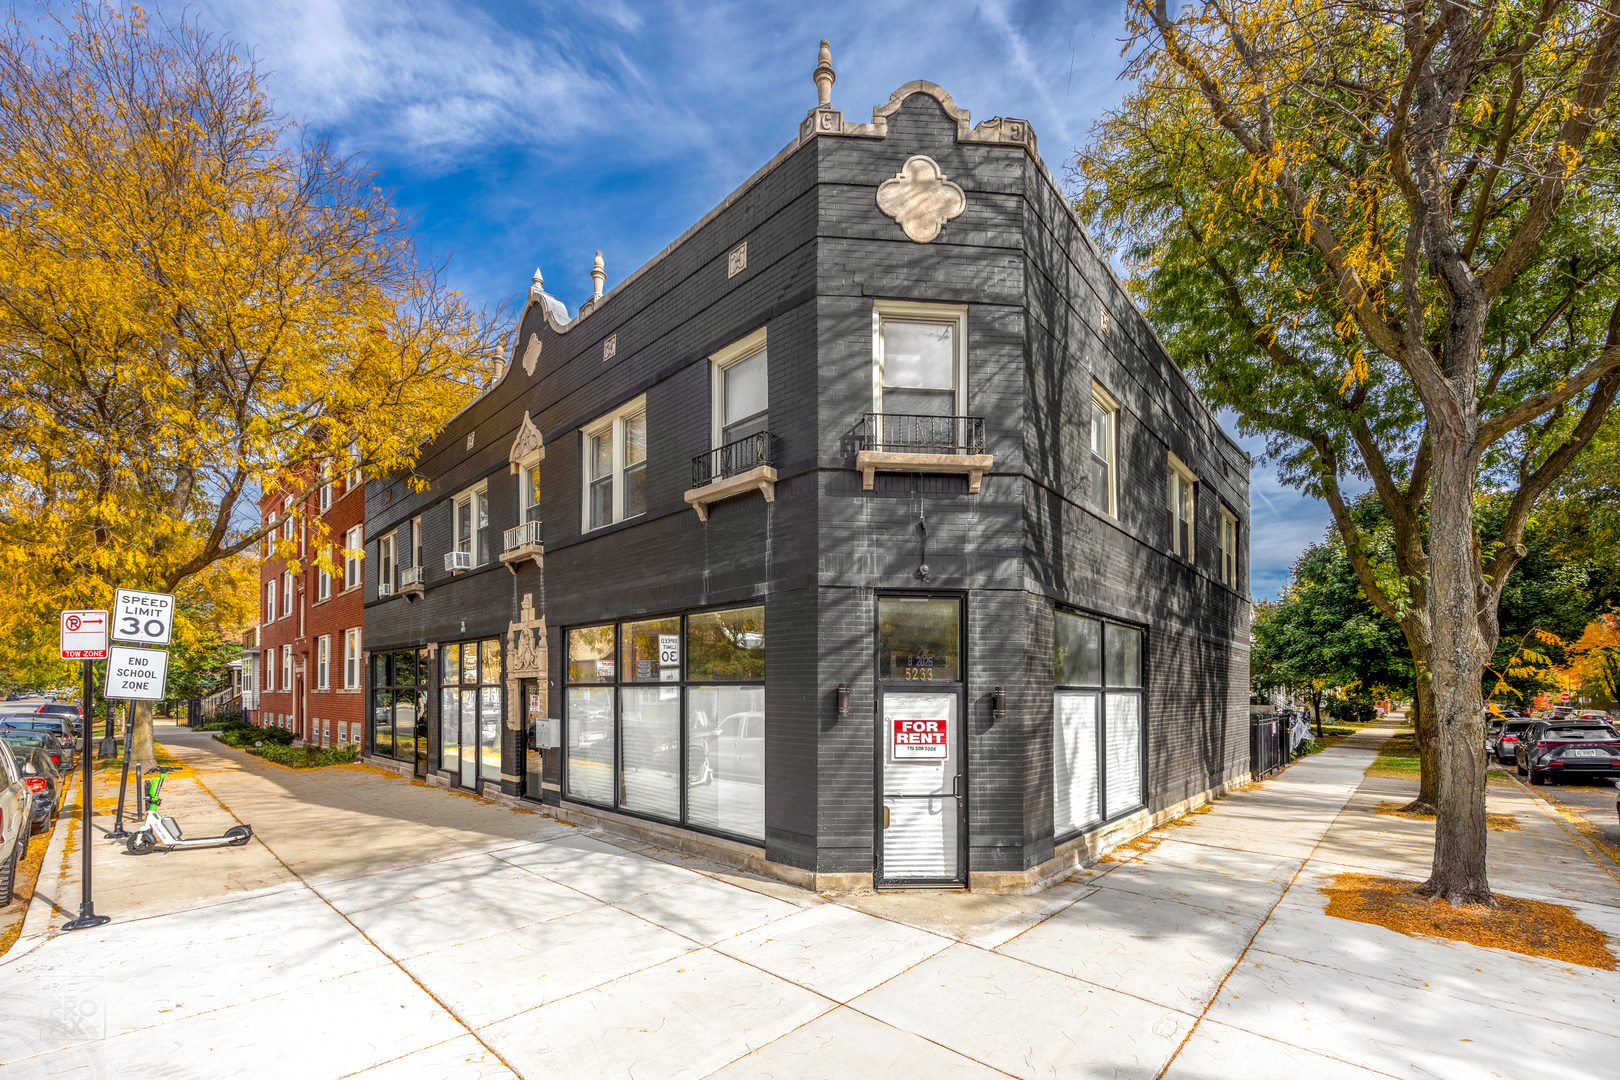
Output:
(1582, 731)
(22, 738)
(1514, 726)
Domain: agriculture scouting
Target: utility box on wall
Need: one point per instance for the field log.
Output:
(548, 734)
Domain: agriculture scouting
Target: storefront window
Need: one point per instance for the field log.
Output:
(398, 700)
(919, 639)
(626, 745)
(470, 710)
(1096, 722)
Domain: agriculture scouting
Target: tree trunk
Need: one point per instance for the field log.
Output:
(1316, 703)
(1457, 656)
(1427, 743)
(143, 748)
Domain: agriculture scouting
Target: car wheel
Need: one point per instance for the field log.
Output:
(8, 873)
(1537, 778)
(1519, 768)
(141, 843)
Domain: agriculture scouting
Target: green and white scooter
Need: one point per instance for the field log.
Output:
(160, 830)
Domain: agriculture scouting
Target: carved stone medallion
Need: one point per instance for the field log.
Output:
(920, 198)
(531, 353)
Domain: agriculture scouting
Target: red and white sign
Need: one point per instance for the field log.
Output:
(921, 740)
(84, 635)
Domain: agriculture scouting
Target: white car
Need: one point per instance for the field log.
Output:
(16, 821)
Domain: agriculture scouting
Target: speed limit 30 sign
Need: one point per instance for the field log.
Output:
(143, 617)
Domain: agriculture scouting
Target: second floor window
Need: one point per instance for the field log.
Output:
(1183, 499)
(472, 524)
(919, 356)
(529, 491)
(286, 594)
(741, 396)
(615, 479)
(353, 553)
(1103, 411)
(385, 565)
(1229, 531)
(323, 579)
(270, 602)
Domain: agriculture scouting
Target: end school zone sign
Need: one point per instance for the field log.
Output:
(136, 674)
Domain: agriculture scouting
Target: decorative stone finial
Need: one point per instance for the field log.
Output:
(598, 276)
(824, 76)
(537, 285)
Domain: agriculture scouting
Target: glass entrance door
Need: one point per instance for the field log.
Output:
(533, 757)
(922, 782)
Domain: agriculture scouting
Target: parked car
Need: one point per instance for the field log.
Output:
(1507, 740)
(1493, 729)
(14, 696)
(16, 813)
(1553, 748)
(70, 713)
(55, 725)
(44, 783)
(23, 740)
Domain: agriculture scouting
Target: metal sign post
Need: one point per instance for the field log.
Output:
(118, 832)
(84, 637)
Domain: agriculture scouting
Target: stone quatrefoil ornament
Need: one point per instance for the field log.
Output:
(920, 198)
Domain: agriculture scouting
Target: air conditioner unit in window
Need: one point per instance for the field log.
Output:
(457, 561)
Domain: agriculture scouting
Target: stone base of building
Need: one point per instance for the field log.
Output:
(404, 768)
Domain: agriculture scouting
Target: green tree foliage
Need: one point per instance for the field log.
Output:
(1384, 236)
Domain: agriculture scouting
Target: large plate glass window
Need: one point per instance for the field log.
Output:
(666, 719)
(1097, 722)
(614, 473)
(470, 709)
(399, 704)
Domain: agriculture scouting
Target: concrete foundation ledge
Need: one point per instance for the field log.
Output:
(1087, 848)
(404, 768)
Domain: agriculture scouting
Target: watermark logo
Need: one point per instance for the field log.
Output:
(73, 1007)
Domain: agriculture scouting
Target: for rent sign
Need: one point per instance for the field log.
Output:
(136, 674)
(921, 740)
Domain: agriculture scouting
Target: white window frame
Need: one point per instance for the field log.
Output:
(907, 311)
(323, 578)
(269, 603)
(326, 493)
(416, 541)
(269, 537)
(526, 467)
(353, 478)
(1103, 400)
(287, 525)
(354, 548)
(286, 668)
(730, 356)
(323, 662)
(387, 566)
(267, 676)
(286, 594)
(351, 658)
(1229, 546)
(614, 422)
(466, 502)
(1179, 474)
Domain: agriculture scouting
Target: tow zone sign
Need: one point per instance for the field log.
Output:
(84, 635)
(136, 674)
(921, 740)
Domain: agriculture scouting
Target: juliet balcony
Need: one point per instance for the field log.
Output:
(734, 469)
(902, 442)
(527, 541)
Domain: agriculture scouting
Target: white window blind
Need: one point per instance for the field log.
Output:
(1123, 734)
(1074, 761)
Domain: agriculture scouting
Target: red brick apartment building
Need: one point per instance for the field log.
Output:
(311, 668)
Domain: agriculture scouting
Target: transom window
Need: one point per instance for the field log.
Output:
(1103, 412)
(615, 472)
(741, 391)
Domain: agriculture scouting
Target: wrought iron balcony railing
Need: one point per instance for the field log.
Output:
(905, 433)
(733, 458)
(528, 534)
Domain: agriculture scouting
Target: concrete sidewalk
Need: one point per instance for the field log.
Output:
(405, 931)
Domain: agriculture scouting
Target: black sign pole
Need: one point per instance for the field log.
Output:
(118, 832)
(87, 909)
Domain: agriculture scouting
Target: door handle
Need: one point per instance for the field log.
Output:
(885, 817)
(955, 781)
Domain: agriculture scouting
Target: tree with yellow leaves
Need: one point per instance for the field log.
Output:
(199, 301)
(1384, 235)
(1595, 658)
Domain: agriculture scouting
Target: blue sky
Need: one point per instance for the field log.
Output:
(534, 134)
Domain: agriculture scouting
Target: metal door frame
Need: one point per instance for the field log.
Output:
(880, 688)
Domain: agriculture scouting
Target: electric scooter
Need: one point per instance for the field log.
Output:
(160, 829)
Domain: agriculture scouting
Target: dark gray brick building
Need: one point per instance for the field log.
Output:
(866, 535)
